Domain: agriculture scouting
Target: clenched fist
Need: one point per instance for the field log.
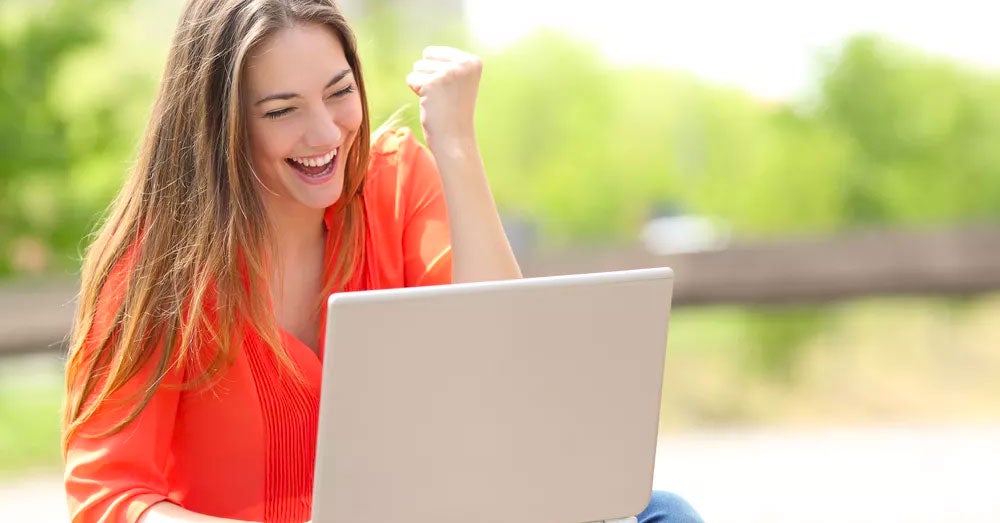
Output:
(447, 81)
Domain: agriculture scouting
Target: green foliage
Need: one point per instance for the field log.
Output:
(40, 143)
(589, 150)
(547, 133)
(922, 133)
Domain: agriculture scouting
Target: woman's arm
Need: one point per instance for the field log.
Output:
(166, 512)
(447, 81)
(480, 249)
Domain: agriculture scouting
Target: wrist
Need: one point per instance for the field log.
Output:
(458, 146)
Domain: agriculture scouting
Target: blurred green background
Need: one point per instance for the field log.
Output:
(583, 151)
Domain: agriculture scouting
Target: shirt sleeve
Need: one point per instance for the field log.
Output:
(426, 234)
(117, 478)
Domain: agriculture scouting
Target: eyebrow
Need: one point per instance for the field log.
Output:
(287, 96)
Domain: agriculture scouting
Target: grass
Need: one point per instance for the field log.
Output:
(900, 360)
(30, 402)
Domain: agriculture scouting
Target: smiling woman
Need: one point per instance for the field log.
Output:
(193, 375)
(194, 369)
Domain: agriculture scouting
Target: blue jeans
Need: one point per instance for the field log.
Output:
(665, 507)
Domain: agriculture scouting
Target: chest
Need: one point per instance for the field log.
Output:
(305, 327)
(297, 299)
(252, 431)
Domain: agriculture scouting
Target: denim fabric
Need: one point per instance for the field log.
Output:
(665, 507)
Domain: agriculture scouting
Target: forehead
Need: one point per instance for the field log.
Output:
(296, 59)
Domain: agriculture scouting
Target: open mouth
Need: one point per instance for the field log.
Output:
(315, 167)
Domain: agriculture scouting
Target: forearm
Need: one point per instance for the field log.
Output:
(166, 512)
(480, 249)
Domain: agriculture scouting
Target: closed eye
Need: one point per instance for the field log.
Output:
(278, 113)
(347, 90)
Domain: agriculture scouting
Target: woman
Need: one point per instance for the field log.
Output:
(193, 376)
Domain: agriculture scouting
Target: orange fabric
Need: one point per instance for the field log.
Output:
(244, 449)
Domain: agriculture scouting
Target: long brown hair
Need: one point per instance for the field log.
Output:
(189, 225)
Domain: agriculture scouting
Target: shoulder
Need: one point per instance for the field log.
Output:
(401, 170)
(398, 153)
(111, 287)
(394, 144)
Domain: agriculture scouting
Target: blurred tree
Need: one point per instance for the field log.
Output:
(547, 135)
(34, 141)
(922, 132)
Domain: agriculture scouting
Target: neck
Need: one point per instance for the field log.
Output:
(298, 231)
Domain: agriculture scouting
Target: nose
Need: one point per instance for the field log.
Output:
(323, 133)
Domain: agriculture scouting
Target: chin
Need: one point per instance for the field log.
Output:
(323, 196)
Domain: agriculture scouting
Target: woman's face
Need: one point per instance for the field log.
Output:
(303, 112)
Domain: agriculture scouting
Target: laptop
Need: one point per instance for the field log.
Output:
(522, 401)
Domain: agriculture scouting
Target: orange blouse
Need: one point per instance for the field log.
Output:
(245, 448)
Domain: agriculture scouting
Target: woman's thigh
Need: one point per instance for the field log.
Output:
(665, 507)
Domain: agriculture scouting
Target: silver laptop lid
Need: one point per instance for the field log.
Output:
(527, 401)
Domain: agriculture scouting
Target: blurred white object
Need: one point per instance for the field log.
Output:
(683, 233)
(892, 473)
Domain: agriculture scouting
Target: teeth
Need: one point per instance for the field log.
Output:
(316, 161)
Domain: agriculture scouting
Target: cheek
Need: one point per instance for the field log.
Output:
(268, 143)
(350, 116)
